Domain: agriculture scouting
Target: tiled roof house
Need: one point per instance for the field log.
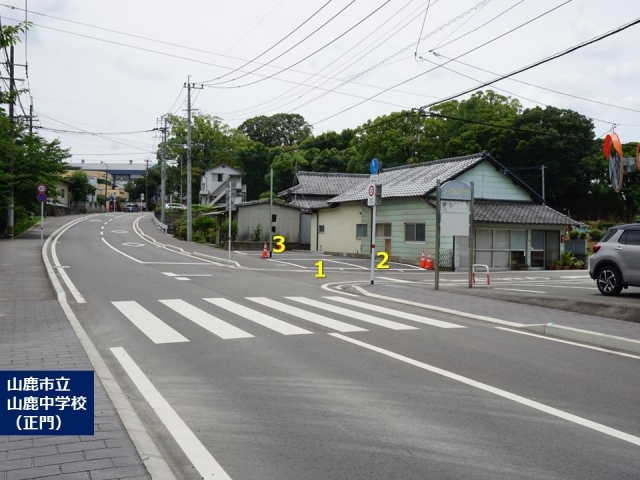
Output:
(511, 222)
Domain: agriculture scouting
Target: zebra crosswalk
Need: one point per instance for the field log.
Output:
(267, 315)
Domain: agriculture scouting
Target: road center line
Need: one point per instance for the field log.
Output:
(199, 456)
(497, 391)
(519, 290)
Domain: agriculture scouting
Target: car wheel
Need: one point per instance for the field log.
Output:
(609, 281)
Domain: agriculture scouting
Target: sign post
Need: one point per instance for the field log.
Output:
(41, 197)
(372, 200)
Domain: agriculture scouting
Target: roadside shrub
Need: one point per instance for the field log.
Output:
(224, 231)
(596, 234)
(210, 235)
(604, 225)
(181, 230)
(256, 236)
(574, 234)
(583, 235)
(202, 224)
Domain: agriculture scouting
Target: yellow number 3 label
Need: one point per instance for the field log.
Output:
(279, 248)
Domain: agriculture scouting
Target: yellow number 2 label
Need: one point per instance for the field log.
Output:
(279, 248)
(320, 274)
(385, 259)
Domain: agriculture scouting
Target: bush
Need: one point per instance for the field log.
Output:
(604, 225)
(224, 230)
(202, 224)
(583, 235)
(256, 236)
(574, 234)
(596, 234)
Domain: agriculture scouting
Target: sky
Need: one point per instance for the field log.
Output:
(109, 70)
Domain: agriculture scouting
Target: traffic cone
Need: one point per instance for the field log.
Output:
(265, 254)
(429, 262)
(423, 261)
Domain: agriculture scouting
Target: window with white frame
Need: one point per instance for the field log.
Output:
(320, 228)
(414, 232)
(361, 230)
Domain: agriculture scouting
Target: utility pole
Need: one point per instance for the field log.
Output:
(146, 184)
(189, 86)
(543, 200)
(12, 87)
(163, 176)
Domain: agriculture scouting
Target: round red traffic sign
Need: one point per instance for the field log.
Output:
(42, 188)
(372, 190)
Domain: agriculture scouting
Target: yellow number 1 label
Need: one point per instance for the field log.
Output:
(385, 259)
(320, 274)
(279, 248)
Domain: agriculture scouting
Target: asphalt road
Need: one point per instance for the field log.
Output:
(301, 389)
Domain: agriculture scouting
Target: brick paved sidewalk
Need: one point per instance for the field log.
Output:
(35, 334)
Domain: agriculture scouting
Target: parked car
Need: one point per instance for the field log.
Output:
(175, 206)
(132, 208)
(615, 263)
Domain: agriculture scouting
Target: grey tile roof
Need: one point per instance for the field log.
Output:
(412, 180)
(310, 202)
(498, 211)
(324, 184)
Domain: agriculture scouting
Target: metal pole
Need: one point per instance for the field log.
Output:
(373, 241)
(436, 257)
(229, 209)
(471, 242)
(41, 223)
(189, 159)
(163, 175)
(543, 184)
(271, 216)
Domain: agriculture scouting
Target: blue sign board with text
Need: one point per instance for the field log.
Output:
(46, 402)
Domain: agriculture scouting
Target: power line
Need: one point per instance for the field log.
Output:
(310, 55)
(461, 55)
(278, 43)
(541, 88)
(545, 60)
(422, 28)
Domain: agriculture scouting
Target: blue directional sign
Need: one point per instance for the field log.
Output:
(37, 402)
(374, 166)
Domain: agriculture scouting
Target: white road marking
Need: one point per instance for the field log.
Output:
(286, 263)
(133, 244)
(381, 322)
(590, 347)
(202, 460)
(102, 227)
(181, 278)
(72, 288)
(398, 280)
(148, 323)
(396, 313)
(121, 253)
(207, 321)
(258, 317)
(499, 392)
(346, 263)
(519, 290)
(306, 315)
(208, 264)
(169, 274)
(118, 231)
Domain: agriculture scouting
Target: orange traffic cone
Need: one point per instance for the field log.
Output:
(429, 262)
(423, 261)
(265, 254)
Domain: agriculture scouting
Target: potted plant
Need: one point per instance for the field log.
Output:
(551, 265)
(578, 264)
(567, 258)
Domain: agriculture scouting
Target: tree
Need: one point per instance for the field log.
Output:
(281, 129)
(79, 187)
(285, 166)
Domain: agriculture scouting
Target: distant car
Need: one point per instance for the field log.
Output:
(175, 206)
(615, 263)
(131, 208)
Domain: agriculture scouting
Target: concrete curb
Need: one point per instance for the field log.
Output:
(177, 249)
(585, 336)
(551, 329)
(211, 258)
(147, 449)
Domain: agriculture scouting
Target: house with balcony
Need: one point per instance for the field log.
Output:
(215, 182)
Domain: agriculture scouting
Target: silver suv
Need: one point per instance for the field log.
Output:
(615, 263)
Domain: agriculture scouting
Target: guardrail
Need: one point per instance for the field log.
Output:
(161, 225)
(473, 274)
